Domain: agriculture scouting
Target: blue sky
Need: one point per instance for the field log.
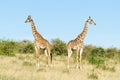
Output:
(63, 19)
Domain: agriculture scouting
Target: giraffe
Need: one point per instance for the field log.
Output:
(78, 44)
(39, 43)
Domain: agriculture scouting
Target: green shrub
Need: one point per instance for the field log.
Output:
(58, 47)
(110, 52)
(87, 51)
(118, 56)
(26, 47)
(98, 52)
(93, 75)
(97, 56)
(7, 48)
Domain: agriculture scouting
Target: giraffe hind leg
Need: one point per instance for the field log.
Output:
(77, 62)
(69, 55)
(46, 54)
(50, 55)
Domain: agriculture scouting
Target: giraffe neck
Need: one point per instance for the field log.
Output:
(84, 32)
(34, 31)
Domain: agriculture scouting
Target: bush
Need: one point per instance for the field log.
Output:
(97, 56)
(58, 47)
(7, 48)
(26, 47)
(110, 52)
(87, 51)
(98, 52)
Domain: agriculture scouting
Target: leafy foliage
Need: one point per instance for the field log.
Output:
(7, 48)
(110, 52)
(97, 56)
(87, 51)
(28, 48)
(94, 55)
(98, 52)
(58, 47)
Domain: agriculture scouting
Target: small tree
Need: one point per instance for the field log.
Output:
(97, 56)
(58, 47)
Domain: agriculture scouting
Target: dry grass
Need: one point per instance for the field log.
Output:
(22, 67)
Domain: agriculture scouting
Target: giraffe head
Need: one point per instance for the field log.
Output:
(90, 21)
(29, 19)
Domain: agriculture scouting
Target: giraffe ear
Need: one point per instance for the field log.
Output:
(89, 17)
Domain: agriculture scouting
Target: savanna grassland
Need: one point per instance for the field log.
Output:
(17, 62)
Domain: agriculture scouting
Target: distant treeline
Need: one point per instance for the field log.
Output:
(58, 47)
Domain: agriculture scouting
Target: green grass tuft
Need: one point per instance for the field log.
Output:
(93, 75)
(25, 63)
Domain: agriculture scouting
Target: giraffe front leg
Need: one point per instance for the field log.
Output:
(81, 51)
(37, 56)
